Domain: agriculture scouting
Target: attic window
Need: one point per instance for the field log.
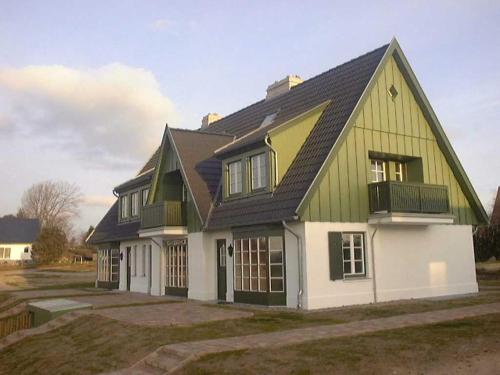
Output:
(393, 92)
(269, 119)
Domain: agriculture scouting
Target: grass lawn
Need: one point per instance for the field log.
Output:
(463, 345)
(94, 344)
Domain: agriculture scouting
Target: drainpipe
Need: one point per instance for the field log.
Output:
(266, 141)
(299, 258)
(372, 243)
(150, 263)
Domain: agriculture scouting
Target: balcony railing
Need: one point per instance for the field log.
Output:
(395, 196)
(163, 214)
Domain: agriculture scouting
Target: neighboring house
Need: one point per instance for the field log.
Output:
(17, 237)
(342, 189)
(495, 214)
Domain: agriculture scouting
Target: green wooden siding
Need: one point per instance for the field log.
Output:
(288, 138)
(169, 162)
(387, 125)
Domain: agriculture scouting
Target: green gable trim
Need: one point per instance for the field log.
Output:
(159, 166)
(459, 173)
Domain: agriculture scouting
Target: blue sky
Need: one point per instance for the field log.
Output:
(87, 86)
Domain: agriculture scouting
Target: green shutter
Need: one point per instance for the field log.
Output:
(335, 255)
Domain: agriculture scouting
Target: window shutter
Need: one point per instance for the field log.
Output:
(335, 255)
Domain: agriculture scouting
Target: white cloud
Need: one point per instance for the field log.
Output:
(98, 200)
(161, 24)
(112, 115)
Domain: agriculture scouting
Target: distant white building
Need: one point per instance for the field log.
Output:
(17, 237)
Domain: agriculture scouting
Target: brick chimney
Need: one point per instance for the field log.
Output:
(282, 86)
(208, 119)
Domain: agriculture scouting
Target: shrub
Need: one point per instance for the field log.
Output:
(50, 245)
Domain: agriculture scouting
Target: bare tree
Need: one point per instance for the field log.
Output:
(54, 203)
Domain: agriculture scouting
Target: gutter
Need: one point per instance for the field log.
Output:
(299, 258)
(372, 244)
(266, 141)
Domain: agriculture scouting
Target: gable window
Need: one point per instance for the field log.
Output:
(259, 171)
(235, 177)
(134, 201)
(124, 206)
(353, 253)
(378, 169)
(145, 194)
(399, 172)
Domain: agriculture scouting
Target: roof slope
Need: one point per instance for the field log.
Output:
(109, 230)
(495, 215)
(195, 150)
(16, 230)
(343, 85)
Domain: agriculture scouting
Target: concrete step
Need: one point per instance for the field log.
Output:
(164, 360)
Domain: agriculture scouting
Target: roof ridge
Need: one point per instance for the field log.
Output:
(198, 131)
(301, 84)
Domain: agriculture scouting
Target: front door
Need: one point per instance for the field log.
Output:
(129, 256)
(221, 270)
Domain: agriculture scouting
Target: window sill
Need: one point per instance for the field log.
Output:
(356, 278)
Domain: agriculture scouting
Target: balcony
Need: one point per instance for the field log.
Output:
(405, 202)
(163, 214)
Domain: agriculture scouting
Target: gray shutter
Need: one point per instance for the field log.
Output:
(336, 259)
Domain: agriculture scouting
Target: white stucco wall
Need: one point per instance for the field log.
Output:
(139, 282)
(410, 262)
(202, 263)
(17, 251)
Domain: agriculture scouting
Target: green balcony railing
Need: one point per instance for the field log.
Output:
(395, 196)
(163, 214)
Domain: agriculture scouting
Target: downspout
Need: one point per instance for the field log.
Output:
(266, 141)
(150, 263)
(299, 258)
(372, 243)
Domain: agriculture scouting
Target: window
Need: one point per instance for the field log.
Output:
(259, 171)
(108, 265)
(4, 252)
(26, 250)
(145, 194)
(235, 177)
(143, 260)
(134, 201)
(176, 262)
(259, 264)
(222, 256)
(124, 206)
(378, 168)
(353, 253)
(400, 171)
(268, 120)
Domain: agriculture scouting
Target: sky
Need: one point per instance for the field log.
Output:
(86, 87)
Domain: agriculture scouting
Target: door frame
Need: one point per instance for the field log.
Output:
(221, 294)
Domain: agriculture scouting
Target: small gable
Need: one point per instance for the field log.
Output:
(390, 121)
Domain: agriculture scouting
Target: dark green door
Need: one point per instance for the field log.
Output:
(129, 257)
(221, 270)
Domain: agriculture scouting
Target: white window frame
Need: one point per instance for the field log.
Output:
(351, 251)
(258, 169)
(134, 204)
(176, 262)
(400, 171)
(378, 167)
(145, 193)
(124, 206)
(3, 252)
(235, 177)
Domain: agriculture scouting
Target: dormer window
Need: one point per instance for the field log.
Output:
(134, 201)
(124, 206)
(258, 169)
(235, 177)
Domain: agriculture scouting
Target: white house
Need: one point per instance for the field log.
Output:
(341, 189)
(16, 238)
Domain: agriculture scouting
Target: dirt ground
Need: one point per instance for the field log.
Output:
(54, 276)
